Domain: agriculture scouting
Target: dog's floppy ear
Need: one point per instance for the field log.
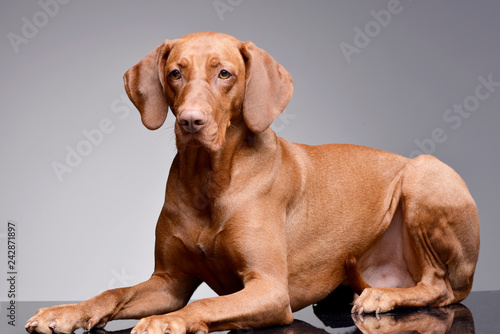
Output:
(269, 88)
(143, 83)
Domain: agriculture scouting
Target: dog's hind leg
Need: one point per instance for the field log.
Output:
(441, 222)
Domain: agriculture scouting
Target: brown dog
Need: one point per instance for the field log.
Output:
(269, 224)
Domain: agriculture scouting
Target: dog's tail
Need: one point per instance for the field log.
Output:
(356, 282)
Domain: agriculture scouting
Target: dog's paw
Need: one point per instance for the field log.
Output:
(378, 300)
(59, 319)
(170, 323)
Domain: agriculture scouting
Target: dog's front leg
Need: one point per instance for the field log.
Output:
(158, 295)
(261, 303)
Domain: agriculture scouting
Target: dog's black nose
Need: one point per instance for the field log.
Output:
(192, 120)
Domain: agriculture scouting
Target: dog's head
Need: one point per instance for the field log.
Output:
(208, 80)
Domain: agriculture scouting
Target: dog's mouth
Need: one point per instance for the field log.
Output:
(192, 140)
(207, 138)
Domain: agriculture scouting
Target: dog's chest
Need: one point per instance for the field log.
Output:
(212, 260)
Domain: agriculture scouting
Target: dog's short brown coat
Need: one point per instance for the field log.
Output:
(269, 224)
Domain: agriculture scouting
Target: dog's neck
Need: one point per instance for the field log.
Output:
(208, 172)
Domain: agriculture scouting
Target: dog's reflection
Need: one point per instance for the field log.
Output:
(297, 326)
(452, 319)
(456, 319)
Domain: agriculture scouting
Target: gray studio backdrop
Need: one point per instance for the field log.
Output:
(84, 181)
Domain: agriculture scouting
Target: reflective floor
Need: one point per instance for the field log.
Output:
(479, 313)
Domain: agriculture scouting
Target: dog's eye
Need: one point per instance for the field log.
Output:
(174, 74)
(223, 74)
